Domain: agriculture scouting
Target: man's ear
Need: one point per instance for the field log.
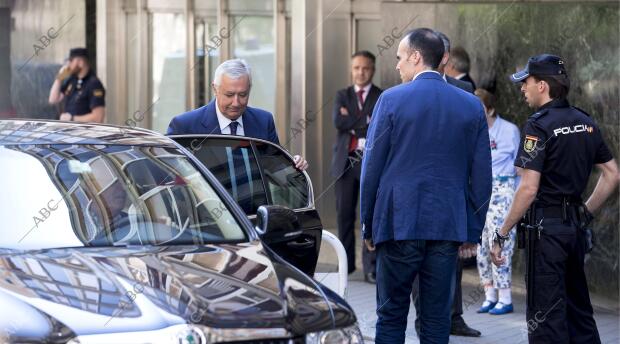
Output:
(214, 88)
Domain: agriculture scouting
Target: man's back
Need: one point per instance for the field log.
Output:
(431, 136)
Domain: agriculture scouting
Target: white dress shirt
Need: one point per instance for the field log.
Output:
(225, 122)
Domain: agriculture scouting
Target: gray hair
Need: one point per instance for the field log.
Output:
(460, 59)
(234, 69)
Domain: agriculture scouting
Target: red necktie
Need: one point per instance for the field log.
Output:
(360, 97)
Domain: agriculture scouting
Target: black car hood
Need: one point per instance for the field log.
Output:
(85, 291)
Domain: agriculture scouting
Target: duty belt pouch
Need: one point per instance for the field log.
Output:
(521, 228)
(585, 221)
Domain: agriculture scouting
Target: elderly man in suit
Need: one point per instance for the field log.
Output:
(352, 110)
(229, 112)
(459, 65)
(426, 180)
(458, 327)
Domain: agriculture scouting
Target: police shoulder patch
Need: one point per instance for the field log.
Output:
(529, 145)
(98, 93)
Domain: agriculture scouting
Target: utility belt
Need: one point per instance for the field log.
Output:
(569, 210)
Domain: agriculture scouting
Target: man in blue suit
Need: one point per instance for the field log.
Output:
(426, 182)
(229, 112)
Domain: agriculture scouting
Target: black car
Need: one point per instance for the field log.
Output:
(121, 235)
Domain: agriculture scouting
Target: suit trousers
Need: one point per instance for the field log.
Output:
(347, 192)
(398, 265)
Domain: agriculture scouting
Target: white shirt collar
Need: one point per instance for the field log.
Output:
(425, 71)
(224, 122)
(365, 88)
(460, 76)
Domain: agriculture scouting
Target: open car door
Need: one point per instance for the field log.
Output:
(257, 172)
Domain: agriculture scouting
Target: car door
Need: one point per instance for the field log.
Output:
(257, 172)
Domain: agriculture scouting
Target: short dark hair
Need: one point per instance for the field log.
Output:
(365, 53)
(428, 43)
(559, 85)
(460, 59)
(445, 39)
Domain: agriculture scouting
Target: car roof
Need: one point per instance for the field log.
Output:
(33, 131)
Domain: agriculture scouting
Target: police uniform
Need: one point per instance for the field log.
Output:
(83, 95)
(562, 143)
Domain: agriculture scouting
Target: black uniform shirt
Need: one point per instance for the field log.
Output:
(562, 143)
(83, 95)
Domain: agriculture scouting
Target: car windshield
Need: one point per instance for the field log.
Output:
(107, 195)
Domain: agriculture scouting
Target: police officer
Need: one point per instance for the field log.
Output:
(81, 90)
(560, 146)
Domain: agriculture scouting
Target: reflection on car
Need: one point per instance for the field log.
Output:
(116, 235)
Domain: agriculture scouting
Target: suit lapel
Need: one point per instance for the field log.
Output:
(209, 119)
(249, 124)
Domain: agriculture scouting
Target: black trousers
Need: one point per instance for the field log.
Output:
(456, 310)
(559, 310)
(347, 192)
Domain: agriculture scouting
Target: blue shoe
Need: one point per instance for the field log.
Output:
(486, 306)
(501, 308)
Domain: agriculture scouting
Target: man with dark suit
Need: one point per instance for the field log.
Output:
(426, 180)
(352, 110)
(459, 65)
(229, 112)
(458, 327)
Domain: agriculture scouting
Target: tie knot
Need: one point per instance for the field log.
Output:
(233, 127)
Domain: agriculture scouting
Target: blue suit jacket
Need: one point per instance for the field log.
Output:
(426, 172)
(257, 123)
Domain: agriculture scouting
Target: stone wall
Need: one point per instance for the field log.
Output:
(500, 37)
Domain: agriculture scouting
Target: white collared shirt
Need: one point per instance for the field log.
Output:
(425, 71)
(225, 122)
(460, 76)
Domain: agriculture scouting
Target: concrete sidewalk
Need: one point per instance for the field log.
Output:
(509, 328)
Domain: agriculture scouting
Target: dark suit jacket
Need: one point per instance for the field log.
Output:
(464, 85)
(467, 78)
(344, 124)
(257, 123)
(426, 172)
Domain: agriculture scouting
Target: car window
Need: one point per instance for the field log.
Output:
(234, 165)
(286, 185)
(98, 195)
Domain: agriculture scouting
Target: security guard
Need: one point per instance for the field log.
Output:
(561, 144)
(80, 88)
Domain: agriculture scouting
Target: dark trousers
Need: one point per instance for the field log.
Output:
(457, 303)
(398, 264)
(347, 191)
(561, 311)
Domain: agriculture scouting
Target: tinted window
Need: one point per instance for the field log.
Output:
(70, 195)
(234, 165)
(286, 185)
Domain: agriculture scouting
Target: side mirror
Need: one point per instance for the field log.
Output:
(275, 223)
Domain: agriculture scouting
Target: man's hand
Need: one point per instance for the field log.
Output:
(344, 111)
(369, 245)
(65, 116)
(63, 73)
(496, 255)
(468, 250)
(300, 163)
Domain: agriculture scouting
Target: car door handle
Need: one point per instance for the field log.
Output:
(306, 243)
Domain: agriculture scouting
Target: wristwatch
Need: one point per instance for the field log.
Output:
(499, 239)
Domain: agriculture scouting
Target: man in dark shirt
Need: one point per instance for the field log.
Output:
(81, 90)
(561, 145)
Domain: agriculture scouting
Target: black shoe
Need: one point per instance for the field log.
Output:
(461, 329)
(370, 278)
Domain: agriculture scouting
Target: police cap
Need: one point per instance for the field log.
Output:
(544, 64)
